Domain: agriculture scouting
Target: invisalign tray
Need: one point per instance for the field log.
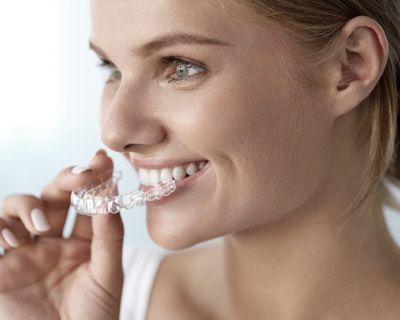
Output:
(104, 198)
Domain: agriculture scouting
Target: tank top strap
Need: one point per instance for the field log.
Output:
(140, 268)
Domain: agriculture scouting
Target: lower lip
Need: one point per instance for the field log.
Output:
(181, 185)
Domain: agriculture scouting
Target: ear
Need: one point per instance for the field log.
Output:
(363, 56)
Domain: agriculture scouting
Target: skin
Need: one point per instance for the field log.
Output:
(283, 168)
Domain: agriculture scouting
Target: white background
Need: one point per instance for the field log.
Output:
(50, 89)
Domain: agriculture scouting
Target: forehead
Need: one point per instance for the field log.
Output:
(140, 20)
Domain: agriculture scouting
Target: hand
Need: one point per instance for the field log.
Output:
(45, 276)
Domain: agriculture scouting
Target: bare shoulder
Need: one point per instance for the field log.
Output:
(183, 281)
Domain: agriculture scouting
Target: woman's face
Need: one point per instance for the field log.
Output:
(264, 133)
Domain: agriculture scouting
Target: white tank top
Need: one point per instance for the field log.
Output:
(140, 268)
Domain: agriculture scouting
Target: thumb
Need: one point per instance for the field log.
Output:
(106, 252)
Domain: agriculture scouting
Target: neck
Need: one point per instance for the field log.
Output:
(306, 266)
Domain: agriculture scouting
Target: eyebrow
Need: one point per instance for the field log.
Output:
(165, 41)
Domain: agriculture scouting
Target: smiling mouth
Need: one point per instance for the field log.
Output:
(180, 172)
(182, 179)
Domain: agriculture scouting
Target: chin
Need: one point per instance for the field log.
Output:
(174, 239)
(173, 243)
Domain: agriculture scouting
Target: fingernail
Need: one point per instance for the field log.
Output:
(39, 220)
(10, 238)
(79, 169)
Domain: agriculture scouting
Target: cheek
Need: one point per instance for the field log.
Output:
(269, 147)
(283, 159)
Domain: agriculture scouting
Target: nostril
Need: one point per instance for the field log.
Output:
(130, 146)
(133, 147)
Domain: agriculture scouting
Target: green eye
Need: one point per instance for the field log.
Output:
(183, 69)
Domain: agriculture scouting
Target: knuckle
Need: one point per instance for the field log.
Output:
(9, 199)
(15, 201)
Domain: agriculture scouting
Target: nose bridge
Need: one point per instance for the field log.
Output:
(128, 121)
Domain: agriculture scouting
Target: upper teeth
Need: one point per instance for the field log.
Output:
(154, 176)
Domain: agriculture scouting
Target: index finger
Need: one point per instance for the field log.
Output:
(56, 195)
(103, 167)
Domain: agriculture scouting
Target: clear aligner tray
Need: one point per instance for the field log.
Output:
(104, 198)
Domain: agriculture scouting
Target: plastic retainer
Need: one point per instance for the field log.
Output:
(104, 198)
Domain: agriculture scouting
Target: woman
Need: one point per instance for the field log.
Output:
(293, 107)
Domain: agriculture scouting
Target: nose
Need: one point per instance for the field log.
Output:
(127, 121)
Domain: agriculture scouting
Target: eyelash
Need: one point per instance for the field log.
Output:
(166, 60)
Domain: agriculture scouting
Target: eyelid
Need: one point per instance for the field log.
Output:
(172, 58)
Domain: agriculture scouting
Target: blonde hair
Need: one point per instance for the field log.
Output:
(314, 24)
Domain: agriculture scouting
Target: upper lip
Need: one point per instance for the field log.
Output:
(159, 164)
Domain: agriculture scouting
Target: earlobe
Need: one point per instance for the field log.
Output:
(361, 64)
